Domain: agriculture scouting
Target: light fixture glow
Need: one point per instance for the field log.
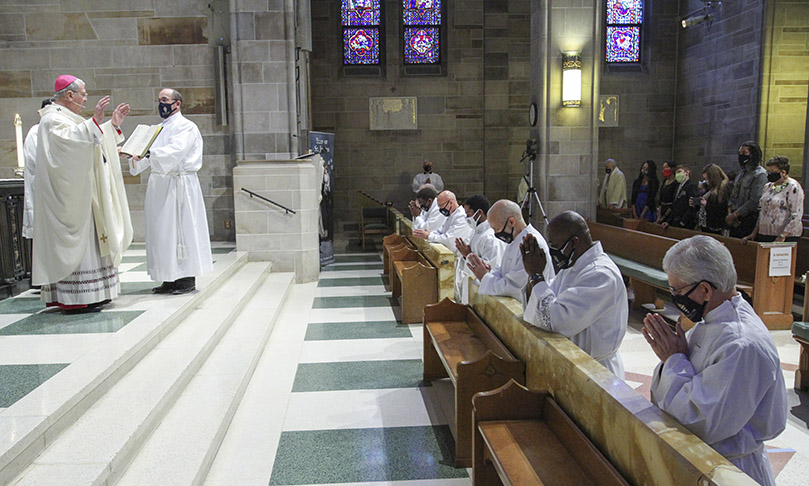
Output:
(571, 79)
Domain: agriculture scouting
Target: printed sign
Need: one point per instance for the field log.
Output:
(780, 261)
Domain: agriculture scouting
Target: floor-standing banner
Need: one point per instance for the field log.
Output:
(323, 143)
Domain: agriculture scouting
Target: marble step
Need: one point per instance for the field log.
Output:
(182, 448)
(36, 420)
(105, 437)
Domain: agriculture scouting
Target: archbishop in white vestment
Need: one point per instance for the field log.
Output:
(177, 240)
(722, 379)
(509, 278)
(81, 213)
(586, 301)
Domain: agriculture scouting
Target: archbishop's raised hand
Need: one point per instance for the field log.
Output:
(121, 111)
(98, 116)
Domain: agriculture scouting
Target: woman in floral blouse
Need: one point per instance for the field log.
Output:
(781, 205)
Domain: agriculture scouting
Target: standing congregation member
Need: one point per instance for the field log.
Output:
(644, 192)
(667, 191)
(482, 243)
(586, 301)
(683, 212)
(428, 177)
(613, 189)
(713, 206)
(81, 214)
(722, 379)
(509, 278)
(30, 152)
(455, 225)
(425, 210)
(781, 214)
(746, 193)
(178, 247)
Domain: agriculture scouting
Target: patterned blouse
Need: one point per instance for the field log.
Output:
(781, 209)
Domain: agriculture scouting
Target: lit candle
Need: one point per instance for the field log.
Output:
(18, 129)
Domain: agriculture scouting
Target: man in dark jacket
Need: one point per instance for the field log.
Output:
(683, 214)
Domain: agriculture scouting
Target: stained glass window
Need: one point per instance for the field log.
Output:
(361, 20)
(624, 21)
(422, 31)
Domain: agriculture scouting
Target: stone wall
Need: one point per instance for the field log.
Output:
(718, 81)
(785, 83)
(646, 109)
(472, 120)
(128, 49)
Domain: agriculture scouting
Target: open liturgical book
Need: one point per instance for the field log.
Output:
(141, 140)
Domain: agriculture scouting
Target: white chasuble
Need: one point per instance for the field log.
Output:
(177, 240)
(69, 210)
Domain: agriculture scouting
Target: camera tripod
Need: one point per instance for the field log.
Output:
(531, 194)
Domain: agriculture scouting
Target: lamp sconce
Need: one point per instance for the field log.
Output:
(571, 79)
(709, 12)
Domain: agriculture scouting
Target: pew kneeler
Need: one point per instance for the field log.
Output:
(458, 345)
(524, 438)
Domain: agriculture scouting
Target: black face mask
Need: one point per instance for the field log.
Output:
(444, 212)
(425, 207)
(690, 309)
(427, 169)
(773, 176)
(607, 170)
(559, 260)
(505, 236)
(744, 159)
(164, 109)
(644, 172)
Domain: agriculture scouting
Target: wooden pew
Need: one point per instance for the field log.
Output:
(645, 444)
(392, 246)
(413, 283)
(441, 257)
(524, 438)
(458, 345)
(772, 296)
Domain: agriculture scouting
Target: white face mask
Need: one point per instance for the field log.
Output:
(473, 221)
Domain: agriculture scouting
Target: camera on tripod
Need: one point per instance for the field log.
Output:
(531, 149)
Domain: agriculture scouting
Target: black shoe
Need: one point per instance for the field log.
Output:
(164, 288)
(183, 290)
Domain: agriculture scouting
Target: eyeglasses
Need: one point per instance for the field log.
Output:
(166, 100)
(676, 291)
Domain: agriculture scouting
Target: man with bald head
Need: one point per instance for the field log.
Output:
(586, 301)
(178, 246)
(455, 225)
(613, 189)
(509, 278)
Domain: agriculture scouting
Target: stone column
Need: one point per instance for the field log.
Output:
(565, 171)
(263, 80)
(290, 241)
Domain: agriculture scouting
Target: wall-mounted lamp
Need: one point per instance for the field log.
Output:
(571, 79)
(696, 20)
(710, 10)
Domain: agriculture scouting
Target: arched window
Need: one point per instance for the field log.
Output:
(421, 25)
(624, 22)
(361, 31)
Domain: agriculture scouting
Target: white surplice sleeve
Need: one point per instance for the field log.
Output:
(569, 311)
(716, 403)
(170, 157)
(458, 228)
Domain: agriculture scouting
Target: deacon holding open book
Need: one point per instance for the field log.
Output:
(178, 248)
(81, 214)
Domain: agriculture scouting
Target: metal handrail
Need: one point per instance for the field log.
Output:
(269, 201)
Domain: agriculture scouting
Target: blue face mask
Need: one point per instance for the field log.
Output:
(504, 235)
